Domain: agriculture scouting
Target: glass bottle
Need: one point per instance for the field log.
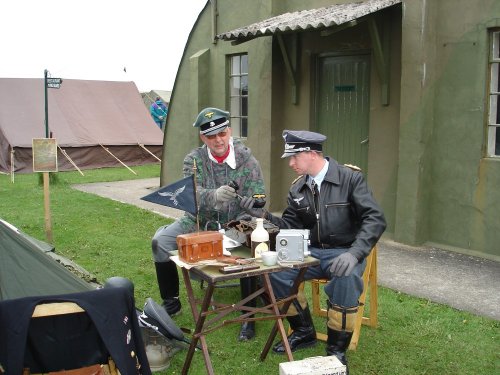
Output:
(259, 239)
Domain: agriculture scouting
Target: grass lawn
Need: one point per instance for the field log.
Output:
(108, 238)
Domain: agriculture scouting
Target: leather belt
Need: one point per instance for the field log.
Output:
(331, 246)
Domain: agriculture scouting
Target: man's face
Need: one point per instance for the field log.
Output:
(300, 162)
(217, 143)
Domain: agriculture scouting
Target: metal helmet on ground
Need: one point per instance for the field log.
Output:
(120, 282)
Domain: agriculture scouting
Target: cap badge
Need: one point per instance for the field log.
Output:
(289, 146)
(212, 123)
(209, 114)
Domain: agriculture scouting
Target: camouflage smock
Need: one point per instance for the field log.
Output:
(211, 175)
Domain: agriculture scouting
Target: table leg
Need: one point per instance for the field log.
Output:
(279, 322)
(200, 320)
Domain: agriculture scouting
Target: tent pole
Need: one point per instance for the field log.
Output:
(12, 151)
(71, 161)
(122, 163)
(153, 155)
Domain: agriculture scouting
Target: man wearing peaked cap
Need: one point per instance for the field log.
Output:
(334, 202)
(220, 161)
(302, 140)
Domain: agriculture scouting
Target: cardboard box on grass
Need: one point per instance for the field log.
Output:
(313, 366)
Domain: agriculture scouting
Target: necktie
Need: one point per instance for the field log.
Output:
(315, 190)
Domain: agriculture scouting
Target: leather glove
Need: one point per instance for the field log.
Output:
(343, 265)
(224, 193)
(247, 204)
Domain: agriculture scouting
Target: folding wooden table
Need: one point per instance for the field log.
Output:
(211, 316)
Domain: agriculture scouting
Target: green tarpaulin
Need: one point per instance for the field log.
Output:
(26, 269)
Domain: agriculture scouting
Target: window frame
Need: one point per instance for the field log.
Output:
(493, 105)
(238, 96)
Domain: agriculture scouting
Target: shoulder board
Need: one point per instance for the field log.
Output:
(353, 167)
(298, 178)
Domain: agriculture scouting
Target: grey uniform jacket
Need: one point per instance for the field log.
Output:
(346, 216)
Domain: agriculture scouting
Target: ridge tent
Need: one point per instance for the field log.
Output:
(89, 120)
(26, 270)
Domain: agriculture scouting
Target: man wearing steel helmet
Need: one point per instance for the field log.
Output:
(220, 160)
(334, 202)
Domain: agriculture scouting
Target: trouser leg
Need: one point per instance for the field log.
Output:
(343, 299)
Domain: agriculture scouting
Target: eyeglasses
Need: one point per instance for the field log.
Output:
(219, 134)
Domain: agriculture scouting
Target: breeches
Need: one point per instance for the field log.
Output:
(341, 291)
(165, 240)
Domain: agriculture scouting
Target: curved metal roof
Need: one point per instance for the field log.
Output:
(319, 18)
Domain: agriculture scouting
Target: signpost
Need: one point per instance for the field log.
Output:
(53, 83)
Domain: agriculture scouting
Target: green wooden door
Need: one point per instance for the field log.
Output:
(342, 107)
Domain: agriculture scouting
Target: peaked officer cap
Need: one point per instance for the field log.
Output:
(301, 140)
(212, 121)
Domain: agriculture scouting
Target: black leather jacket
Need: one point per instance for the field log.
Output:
(347, 215)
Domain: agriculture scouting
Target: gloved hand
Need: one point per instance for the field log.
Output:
(343, 265)
(224, 193)
(247, 204)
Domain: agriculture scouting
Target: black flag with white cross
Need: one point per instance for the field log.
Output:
(180, 195)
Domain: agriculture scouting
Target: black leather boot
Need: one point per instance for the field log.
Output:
(248, 286)
(303, 335)
(168, 282)
(247, 331)
(337, 344)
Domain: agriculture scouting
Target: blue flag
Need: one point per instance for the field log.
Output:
(180, 195)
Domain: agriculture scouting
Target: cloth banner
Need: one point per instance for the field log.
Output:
(180, 195)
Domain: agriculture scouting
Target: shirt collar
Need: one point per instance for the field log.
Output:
(320, 176)
(231, 158)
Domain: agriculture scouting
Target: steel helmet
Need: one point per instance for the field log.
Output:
(120, 282)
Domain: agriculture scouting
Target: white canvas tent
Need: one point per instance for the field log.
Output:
(89, 119)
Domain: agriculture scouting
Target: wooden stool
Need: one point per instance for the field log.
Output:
(370, 284)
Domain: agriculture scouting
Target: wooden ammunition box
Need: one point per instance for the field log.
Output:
(197, 246)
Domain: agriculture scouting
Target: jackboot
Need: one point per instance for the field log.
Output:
(248, 286)
(303, 335)
(168, 283)
(337, 344)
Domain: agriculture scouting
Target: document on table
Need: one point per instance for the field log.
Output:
(186, 265)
